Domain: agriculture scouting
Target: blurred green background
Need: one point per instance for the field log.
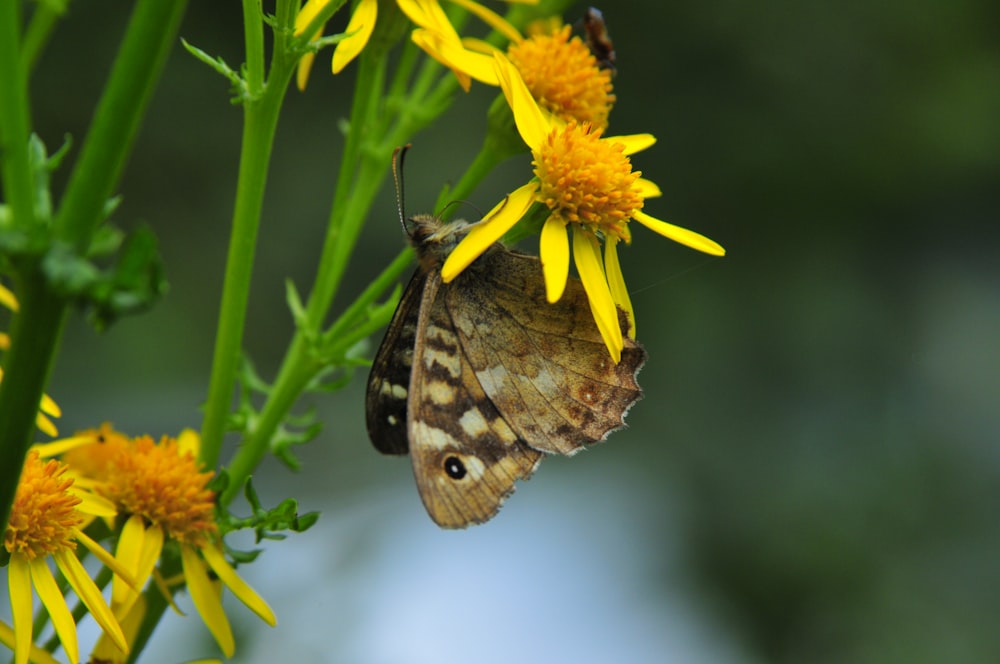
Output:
(814, 472)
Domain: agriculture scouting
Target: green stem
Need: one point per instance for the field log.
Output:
(485, 161)
(15, 120)
(365, 171)
(38, 325)
(43, 21)
(151, 34)
(261, 111)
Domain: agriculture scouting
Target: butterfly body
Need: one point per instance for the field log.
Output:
(476, 379)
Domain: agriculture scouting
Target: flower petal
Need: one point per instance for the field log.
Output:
(207, 599)
(497, 221)
(55, 604)
(35, 655)
(681, 235)
(633, 142)
(106, 558)
(57, 447)
(217, 561)
(492, 19)
(616, 282)
(465, 64)
(647, 188)
(19, 587)
(127, 554)
(90, 595)
(587, 255)
(532, 124)
(189, 441)
(429, 15)
(362, 24)
(553, 249)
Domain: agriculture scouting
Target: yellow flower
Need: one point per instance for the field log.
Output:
(165, 497)
(564, 77)
(45, 522)
(435, 33)
(588, 184)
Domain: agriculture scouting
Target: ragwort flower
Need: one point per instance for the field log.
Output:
(45, 521)
(435, 30)
(165, 497)
(588, 184)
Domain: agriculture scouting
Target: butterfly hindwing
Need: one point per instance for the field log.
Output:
(466, 458)
(544, 366)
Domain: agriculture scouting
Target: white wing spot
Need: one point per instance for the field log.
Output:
(473, 423)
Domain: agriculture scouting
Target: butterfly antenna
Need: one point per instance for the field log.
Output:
(397, 176)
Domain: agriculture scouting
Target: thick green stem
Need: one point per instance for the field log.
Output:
(151, 34)
(15, 121)
(38, 325)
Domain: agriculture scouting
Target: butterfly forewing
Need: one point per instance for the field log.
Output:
(466, 457)
(546, 368)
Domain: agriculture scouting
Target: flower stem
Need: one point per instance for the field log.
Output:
(37, 327)
(261, 109)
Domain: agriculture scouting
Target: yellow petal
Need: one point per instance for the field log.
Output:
(647, 188)
(497, 221)
(633, 142)
(466, 65)
(93, 504)
(429, 15)
(217, 561)
(127, 554)
(105, 650)
(553, 248)
(46, 426)
(35, 654)
(359, 29)
(207, 599)
(57, 447)
(587, 255)
(106, 558)
(616, 281)
(532, 124)
(492, 19)
(19, 584)
(90, 595)
(55, 604)
(189, 441)
(7, 298)
(681, 235)
(305, 16)
(50, 407)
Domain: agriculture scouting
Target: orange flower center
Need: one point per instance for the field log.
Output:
(588, 181)
(164, 486)
(43, 518)
(564, 77)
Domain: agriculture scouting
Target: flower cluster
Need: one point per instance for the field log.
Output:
(560, 96)
(154, 499)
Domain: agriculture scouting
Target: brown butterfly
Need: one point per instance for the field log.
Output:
(477, 378)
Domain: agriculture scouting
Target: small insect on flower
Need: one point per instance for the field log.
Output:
(598, 39)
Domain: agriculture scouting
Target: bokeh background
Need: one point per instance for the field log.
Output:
(814, 473)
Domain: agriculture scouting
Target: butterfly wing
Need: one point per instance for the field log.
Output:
(544, 366)
(466, 457)
(389, 379)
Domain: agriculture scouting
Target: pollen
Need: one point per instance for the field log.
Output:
(564, 76)
(588, 181)
(163, 485)
(43, 517)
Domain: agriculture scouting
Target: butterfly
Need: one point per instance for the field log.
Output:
(478, 378)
